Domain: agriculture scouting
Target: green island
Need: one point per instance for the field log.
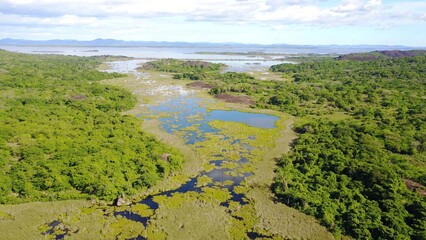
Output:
(345, 157)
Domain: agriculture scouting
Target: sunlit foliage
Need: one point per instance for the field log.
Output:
(63, 135)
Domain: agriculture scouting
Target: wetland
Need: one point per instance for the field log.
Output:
(213, 196)
(189, 149)
(231, 141)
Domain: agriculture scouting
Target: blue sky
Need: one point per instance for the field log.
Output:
(391, 22)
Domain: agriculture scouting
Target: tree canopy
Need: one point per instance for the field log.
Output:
(63, 134)
(352, 174)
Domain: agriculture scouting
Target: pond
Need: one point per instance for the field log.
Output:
(251, 119)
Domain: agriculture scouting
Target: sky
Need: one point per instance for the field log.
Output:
(315, 22)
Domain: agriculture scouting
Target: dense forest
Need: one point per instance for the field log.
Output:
(354, 174)
(359, 163)
(63, 135)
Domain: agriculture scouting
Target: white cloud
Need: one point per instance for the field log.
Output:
(72, 20)
(273, 13)
(292, 14)
(65, 20)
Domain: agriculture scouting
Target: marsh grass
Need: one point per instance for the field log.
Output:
(192, 219)
(23, 220)
(5, 216)
(127, 229)
(282, 220)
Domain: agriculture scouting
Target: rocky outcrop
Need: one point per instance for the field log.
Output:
(122, 201)
(165, 157)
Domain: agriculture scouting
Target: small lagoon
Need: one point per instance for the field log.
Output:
(252, 119)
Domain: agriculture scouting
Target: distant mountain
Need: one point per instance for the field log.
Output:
(100, 42)
(120, 43)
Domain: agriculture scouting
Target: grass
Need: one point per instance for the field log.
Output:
(81, 219)
(282, 220)
(22, 221)
(192, 219)
(127, 229)
(271, 76)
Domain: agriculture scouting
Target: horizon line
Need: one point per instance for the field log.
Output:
(213, 43)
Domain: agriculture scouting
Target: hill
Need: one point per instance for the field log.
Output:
(381, 55)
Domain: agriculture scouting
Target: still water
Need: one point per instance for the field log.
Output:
(240, 62)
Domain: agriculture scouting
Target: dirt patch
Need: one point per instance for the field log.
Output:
(235, 98)
(415, 186)
(200, 85)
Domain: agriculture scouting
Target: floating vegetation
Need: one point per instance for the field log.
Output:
(54, 230)
(228, 183)
(124, 228)
(209, 167)
(143, 210)
(203, 181)
(241, 189)
(215, 195)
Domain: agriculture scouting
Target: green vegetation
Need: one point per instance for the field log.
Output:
(342, 174)
(192, 70)
(63, 135)
(381, 55)
(362, 135)
(191, 219)
(350, 173)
